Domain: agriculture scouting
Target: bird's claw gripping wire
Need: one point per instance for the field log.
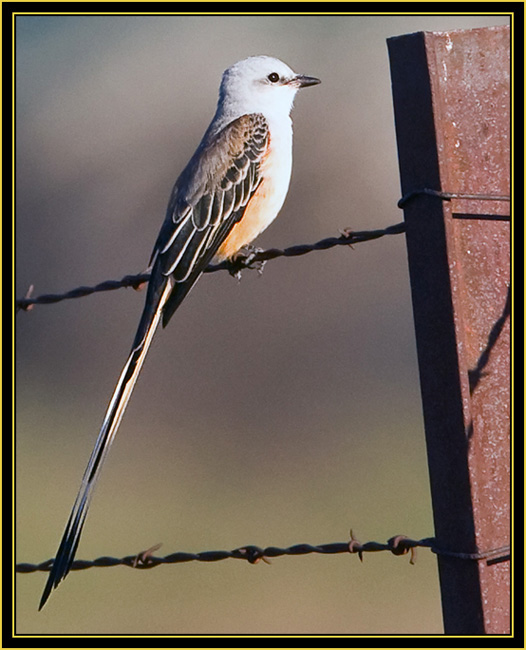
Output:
(246, 259)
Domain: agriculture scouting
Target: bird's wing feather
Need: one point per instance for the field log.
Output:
(209, 198)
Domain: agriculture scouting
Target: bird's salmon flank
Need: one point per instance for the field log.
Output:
(266, 201)
(232, 188)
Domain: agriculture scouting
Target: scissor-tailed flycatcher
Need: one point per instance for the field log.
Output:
(230, 191)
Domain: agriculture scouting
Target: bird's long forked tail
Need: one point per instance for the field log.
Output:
(121, 395)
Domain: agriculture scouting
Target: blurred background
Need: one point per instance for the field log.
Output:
(278, 410)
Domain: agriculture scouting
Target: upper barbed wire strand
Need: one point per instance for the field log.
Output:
(348, 237)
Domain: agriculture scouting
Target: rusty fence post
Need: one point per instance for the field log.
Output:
(451, 93)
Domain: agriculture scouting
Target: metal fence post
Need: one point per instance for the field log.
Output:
(451, 93)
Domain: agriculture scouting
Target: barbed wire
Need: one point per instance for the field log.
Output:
(397, 545)
(253, 259)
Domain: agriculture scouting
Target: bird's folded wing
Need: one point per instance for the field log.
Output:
(209, 198)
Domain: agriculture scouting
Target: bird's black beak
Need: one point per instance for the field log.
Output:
(302, 81)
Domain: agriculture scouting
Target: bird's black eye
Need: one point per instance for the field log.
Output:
(273, 76)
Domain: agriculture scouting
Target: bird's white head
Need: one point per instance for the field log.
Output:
(260, 84)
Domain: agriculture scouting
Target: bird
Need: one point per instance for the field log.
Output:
(231, 189)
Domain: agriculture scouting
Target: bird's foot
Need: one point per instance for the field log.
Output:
(246, 259)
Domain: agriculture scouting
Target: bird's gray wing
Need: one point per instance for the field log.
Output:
(209, 198)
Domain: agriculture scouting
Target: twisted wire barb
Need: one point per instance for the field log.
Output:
(242, 261)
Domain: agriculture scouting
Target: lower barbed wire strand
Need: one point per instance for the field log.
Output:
(397, 545)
